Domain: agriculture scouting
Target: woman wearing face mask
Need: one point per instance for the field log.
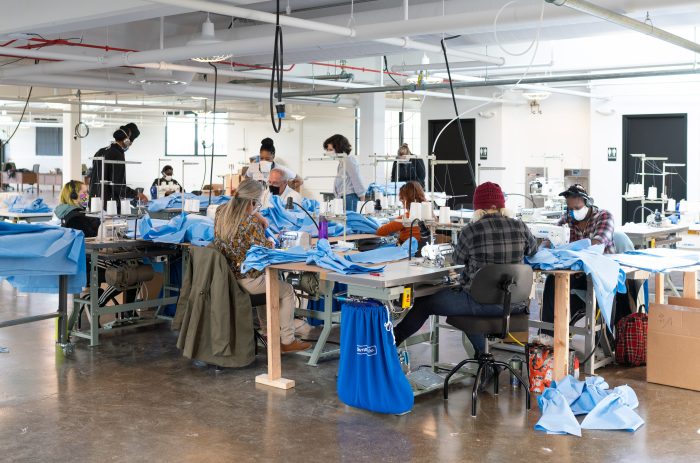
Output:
(408, 168)
(115, 173)
(238, 227)
(409, 193)
(351, 184)
(71, 209)
(268, 154)
(166, 184)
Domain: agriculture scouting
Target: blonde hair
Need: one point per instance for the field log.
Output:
(230, 216)
(68, 188)
(404, 150)
(481, 213)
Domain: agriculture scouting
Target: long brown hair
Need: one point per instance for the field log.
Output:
(411, 192)
(230, 216)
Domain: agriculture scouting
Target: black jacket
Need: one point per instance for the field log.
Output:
(75, 218)
(414, 169)
(115, 173)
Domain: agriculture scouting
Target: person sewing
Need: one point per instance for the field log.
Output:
(166, 184)
(408, 168)
(73, 202)
(260, 169)
(237, 227)
(115, 174)
(278, 185)
(411, 192)
(585, 221)
(350, 183)
(491, 237)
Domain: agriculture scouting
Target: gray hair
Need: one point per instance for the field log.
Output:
(282, 172)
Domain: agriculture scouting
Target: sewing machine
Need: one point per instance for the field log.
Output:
(437, 255)
(557, 235)
(290, 239)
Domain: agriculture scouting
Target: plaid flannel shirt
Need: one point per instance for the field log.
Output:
(600, 227)
(493, 239)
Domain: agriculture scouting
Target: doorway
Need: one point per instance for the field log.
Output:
(454, 180)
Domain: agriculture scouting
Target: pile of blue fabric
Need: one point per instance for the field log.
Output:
(358, 223)
(657, 259)
(174, 201)
(20, 205)
(384, 254)
(323, 256)
(604, 408)
(184, 228)
(387, 189)
(295, 220)
(608, 278)
(32, 256)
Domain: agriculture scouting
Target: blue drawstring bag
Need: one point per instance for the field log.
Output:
(369, 374)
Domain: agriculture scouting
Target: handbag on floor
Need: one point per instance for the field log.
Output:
(631, 346)
(369, 373)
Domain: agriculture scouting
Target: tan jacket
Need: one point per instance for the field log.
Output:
(214, 314)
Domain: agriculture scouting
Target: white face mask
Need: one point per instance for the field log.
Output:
(168, 178)
(579, 214)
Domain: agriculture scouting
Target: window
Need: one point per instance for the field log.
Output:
(411, 131)
(190, 134)
(49, 141)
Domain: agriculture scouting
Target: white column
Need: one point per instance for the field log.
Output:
(71, 146)
(372, 108)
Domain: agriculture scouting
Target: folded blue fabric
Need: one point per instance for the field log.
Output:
(281, 219)
(174, 201)
(608, 278)
(384, 254)
(654, 262)
(615, 411)
(594, 390)
(570, 387)
(19, 205)
(183, 228)
(557, 417)
(259, 257)
(358, 223)
(33, 255)
(387, 189)
(323, 256)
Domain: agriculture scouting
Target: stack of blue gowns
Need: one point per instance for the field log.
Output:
(358, 223)
(295, 220)
(174, 201)
(184, 228)
(18, 204)
(604, 408)
(260, 257)
(608, 278)
(32, 256)
(323, 256)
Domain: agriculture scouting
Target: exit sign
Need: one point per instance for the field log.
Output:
(612, 154)
(483, 153)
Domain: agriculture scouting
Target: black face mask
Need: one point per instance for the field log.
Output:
(275, 190)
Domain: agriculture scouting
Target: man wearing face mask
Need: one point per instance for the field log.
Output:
(585, 221)
(166, 184)
(115, 174)
(278, 185)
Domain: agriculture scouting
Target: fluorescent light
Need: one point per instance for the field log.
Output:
(298, 117)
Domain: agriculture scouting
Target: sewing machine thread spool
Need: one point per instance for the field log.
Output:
(444, 214)
(111, 207)
(126, 206)
(426, 210)
(338, 206)
(415, 212)
(95, 205)
(323, 207)
(652, 192)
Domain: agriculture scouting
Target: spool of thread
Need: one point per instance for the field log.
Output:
(192, 205)
(111, 207)
(444, 214)
(95, 205)
(671, 206)
(126, 206)
(338, 206)
(323, 207)
(415, 211)
(426, 210)
(652, 192)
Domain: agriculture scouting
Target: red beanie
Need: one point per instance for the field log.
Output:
(489, 195)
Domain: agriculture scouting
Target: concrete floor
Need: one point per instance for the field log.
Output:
(135, 398)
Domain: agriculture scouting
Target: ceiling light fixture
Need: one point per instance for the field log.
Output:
(208, 37)
(422, 77)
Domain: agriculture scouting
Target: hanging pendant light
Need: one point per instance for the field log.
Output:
(208, 37)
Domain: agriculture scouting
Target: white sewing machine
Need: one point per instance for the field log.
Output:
(289, 239)
(436, 255)
(557, 235)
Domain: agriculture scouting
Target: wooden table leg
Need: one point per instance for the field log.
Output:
(690, 285)
(562, 317)
(659, 288)
(273, 377)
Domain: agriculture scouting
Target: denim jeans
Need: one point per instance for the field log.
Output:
(351, 200)
(449, 302)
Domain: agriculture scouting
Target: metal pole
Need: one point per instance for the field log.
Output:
(62, 309)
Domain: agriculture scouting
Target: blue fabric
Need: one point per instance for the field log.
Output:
(323, 256)
(175, 201)
(281, 219)
(17, 204)
(570, 387)
(259, 257)
(387, 189)
(557, 417)
(608, 278)
(594, 390)
(319, 305)
(184, 228)
(369, 372)
(384, 254)
(358, 223)
(655, 262)
(615, 412)
(33, 255)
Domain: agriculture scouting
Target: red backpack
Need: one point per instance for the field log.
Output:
(631, 346)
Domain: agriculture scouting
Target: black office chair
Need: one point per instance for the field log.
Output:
(504, 284)
(257, 300)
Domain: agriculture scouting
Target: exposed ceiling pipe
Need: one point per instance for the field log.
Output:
(625, 21)
(563, 91)
(496, 82)
(350, 32)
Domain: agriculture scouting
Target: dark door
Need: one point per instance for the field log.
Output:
(455, 180)
(658, 135)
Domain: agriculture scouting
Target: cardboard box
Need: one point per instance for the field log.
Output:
(673, 352)
(231, 183)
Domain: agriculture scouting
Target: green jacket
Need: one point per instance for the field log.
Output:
(214, 315)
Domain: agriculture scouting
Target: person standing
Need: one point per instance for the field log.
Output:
(350, 184)
(408, 167)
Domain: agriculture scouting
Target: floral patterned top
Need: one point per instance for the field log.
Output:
(250, 232)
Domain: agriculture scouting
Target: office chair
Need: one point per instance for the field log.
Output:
(258, 300)
(503, 284)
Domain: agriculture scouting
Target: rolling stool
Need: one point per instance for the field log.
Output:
(494, 284)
